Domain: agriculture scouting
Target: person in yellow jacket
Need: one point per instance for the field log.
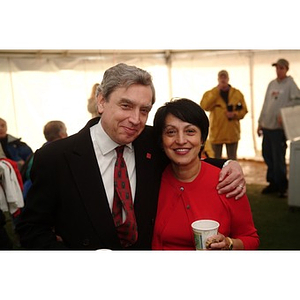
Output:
(227, 107)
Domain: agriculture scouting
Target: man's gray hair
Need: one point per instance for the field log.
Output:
(122, 75)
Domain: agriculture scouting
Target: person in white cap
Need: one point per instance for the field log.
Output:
(281, 92)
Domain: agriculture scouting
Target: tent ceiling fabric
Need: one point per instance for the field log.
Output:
(98, 53)
(82, 52)
(72, 53)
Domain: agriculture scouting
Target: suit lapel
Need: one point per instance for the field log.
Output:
(147, 178)
(84, 168)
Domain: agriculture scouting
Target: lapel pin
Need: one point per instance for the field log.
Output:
(148, 155)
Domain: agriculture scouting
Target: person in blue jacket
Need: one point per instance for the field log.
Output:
(53, 131)
(12, 147)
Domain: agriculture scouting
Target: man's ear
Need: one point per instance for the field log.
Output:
(100, 102)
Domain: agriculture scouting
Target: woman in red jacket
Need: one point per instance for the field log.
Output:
(188, 188)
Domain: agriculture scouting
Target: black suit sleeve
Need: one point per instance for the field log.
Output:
(36, 222)
(217, 162)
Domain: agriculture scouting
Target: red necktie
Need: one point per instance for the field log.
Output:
(127, 230)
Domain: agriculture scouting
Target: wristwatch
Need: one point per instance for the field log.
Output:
(230, 243)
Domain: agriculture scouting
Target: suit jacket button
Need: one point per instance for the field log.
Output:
(85, 242)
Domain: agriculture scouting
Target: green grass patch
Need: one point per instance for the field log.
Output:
(277, 224)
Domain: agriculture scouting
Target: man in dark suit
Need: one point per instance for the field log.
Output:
(69, 205)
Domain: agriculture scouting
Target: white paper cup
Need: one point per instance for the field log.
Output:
(203, 229)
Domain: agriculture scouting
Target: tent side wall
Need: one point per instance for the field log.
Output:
(39, 88)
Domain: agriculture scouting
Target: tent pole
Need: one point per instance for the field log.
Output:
(168, 58)
(251, 59)
(13, 95)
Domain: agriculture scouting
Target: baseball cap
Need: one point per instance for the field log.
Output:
(223, 73)
(281, 62)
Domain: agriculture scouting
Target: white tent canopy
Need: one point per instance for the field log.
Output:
(42, 85)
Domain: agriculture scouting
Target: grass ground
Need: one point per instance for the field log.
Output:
(277, 224)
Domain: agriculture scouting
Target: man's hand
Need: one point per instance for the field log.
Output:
(232, 181)
(259, 131)
(230, 115)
